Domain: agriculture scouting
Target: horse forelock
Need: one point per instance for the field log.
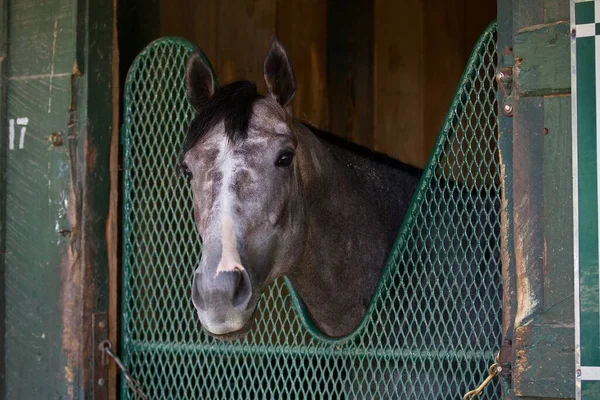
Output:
(233, 104)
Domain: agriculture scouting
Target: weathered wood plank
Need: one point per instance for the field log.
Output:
(556, 10)
(544, 361)
(94, 137)
(398, 70)
(3, 176)
(527, 186)
(243, 38)
(558, 211)
(350, 69)
(527, 13)
(545, 358)
(543, 62)
(302, 28)
(41, 53)
(46, 31)
(37, 194)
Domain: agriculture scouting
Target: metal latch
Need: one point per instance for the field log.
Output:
(102, 354)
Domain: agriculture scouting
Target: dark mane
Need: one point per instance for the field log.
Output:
(231, 104)
(364, 152)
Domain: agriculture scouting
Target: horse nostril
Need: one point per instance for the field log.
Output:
(242, 289)
(196, 296)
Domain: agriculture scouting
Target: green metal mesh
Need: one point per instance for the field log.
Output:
(433, 326)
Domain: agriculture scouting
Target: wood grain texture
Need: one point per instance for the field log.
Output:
(558, 211)
(112, 223)
(399, 80)
(4, 127)
(195, 20)
(544, 361)
(544, 65)
(41, 53)
(445, 60)
(302, 28)
(350, 69)
(556, 10)
(243, 38)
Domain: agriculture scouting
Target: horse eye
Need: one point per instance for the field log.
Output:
(285, 159)
(185, 171)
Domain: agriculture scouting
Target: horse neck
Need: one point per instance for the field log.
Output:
(346, 243)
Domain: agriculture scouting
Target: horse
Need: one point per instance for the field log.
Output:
(275, 196)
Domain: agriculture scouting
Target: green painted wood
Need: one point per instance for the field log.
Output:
(3, 151)
(41, 53)
(59, 83)
(558, 212)
(588, 203)
(545, 65)
(526, 13)
(543, 334)
(556, 10)
(545, 346)
(545, 361)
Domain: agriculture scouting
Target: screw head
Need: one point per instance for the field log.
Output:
(100, 382)
(56, 139)
(508, 109)
(102, 324)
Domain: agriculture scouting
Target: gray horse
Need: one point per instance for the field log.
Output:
(273, 197)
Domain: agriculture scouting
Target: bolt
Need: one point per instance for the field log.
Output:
(56, 139)
(102, 324)
(498, 369)
(100, 382)
(508, 109)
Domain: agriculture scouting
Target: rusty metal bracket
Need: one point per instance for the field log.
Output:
(100, 370)
(504, 77)
(504, 359)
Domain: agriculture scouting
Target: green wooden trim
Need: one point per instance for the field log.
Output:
(544, 63)
(588, 202)
(3, 154)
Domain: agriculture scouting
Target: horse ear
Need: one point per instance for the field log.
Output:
(199, 80)
(279, 74)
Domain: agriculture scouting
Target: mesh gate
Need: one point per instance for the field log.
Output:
(433, 326)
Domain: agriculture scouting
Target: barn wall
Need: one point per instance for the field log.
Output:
(379, 73)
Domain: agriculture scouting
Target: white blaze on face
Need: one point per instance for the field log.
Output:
(230, 257)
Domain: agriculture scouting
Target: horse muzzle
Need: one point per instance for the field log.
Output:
(224, 302)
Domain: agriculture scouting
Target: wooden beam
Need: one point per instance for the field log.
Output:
(302, 28)
(243, 38)
(399, 81)
(350, 69)
(445, 60)
(195, 20)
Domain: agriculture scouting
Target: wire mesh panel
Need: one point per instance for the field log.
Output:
(433, 325)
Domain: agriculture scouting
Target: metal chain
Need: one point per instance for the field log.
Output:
(494, 369)
(105, 347)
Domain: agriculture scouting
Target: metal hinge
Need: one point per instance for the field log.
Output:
(100, 373)
(504, 78)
